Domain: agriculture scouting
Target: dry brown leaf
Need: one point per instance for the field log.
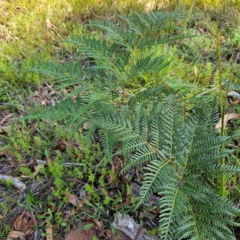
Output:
(78, 234)
(61, 145)
(195, 71)
(99, 224)
(36, 171)
(73, 200)
(24, 223)
(49, 233)
(5, 129)
(14, 235)
(48, 23)
(227, 117)
(68, 215)
(6, 118)
(86, 126)
(202, 30)
(235, 102)
(37, 168)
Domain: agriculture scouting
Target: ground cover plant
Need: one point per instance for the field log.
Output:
(129, 116)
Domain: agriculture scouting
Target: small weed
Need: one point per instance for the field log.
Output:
(4, 230)
(3, 207)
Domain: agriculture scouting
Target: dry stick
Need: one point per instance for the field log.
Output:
(6, 118)
(67, 164)
(18, 184)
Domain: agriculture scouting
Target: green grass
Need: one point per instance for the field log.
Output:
(30, 26)
(31, 31)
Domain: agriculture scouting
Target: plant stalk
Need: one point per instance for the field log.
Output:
(221, 98)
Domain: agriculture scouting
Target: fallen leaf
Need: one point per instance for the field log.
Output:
(61, 145)
(227, 117)
(15, 235)
(195, 71)
(37, 168)
(5, 129)
(235, 102)
(49, 233)
(100, 226)
(48, 23)
(73, 200)
(86, 126)
(24, 223)
(6, 118)
(68, 215)
(127, 224)
(132, 229)
(80, 234)
(36, 171)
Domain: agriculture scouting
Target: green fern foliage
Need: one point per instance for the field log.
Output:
(179, 150)
(179, 157)
(118, 54)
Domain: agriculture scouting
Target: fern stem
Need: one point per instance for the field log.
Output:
(123, 91)
(222, 108)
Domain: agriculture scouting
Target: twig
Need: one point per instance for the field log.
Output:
(67, 164)
(6, 118)
(18, 184)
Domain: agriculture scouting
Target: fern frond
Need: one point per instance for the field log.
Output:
(179, 84)
(143, 24)
(147, 41)
(108, 142)
(65, 73)
(93, 48)
(61, 111)
(150, 93)
(226, 170)
(143, 155)
(233, 85)
(146, 65)
(155, 173)
(115, 34)
(172, 205)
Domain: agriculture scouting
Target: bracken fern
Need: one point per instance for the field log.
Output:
(179, 151)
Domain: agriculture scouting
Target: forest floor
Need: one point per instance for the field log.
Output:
(86, 203)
